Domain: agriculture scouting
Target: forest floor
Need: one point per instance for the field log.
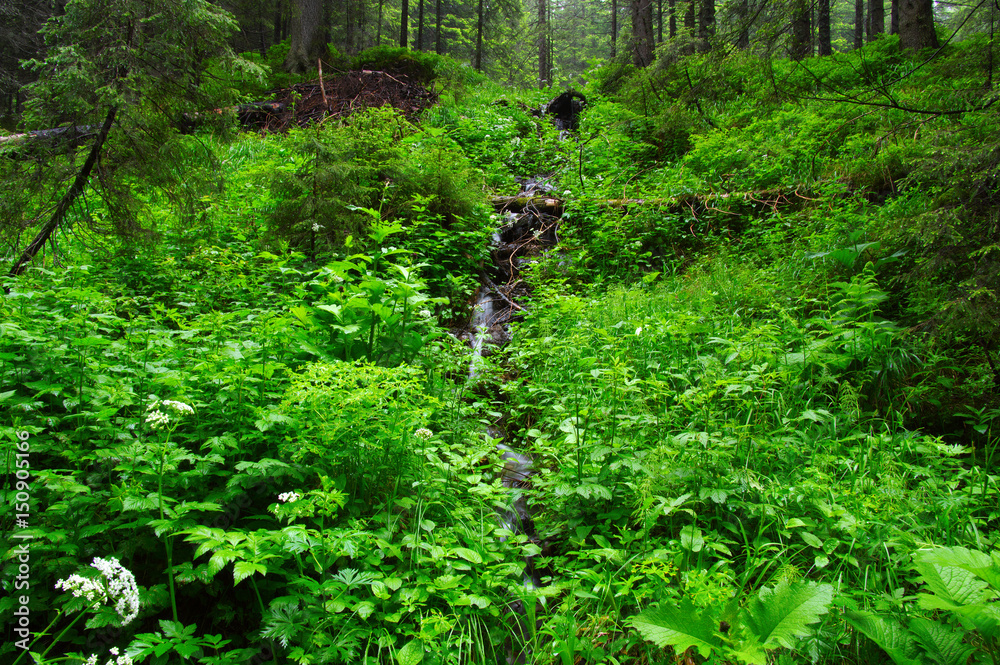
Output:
(334, 97)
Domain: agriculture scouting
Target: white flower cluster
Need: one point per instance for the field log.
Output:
(122, 659)
(289, 497)
(423, 433)
(158, 418)
(118, 585)
(316, 227)
(425, 313)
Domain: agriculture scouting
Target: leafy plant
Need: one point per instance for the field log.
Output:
(959, 589)
(776, 617)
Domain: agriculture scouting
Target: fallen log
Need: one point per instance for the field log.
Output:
(74, 131)
(554, 205)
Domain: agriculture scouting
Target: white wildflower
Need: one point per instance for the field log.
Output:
(122, 659)
(118, 585)
(638, 331)
(157, 419)
(289, 497)
(316, 227)
(179, 407)
(79, 586)
(425, 313)
(423, 433)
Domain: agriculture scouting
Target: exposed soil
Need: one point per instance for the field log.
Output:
(339, 95)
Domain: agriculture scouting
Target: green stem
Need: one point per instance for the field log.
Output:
(168, 542)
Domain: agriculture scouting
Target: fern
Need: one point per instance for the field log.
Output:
(775, 618)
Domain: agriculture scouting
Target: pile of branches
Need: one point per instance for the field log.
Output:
(335, 97)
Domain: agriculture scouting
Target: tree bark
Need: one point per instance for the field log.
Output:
(614, 28)
(706, 25)
(438, 42)
(420, 27)
(642, 33)
(876, 19)
(690, 26)
(743, 16)
(672, 22)
(307, 36)
(916, 25)
(894, 18)
(543, 45)
(659, 21)
(801, 46)
(479, 38)
(79, 184)
(859, 23)
(404, 24)
(823, 28)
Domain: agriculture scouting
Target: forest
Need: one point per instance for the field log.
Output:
(554, 332)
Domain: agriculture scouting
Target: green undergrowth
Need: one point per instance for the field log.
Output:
(756, 379)
(719, 434)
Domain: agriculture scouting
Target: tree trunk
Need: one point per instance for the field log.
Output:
(438, 43)
(859, 23)
(614, 28)
(420, 27)
(404, 24)
(543, 45)
(743, 16)
(672, 23)
(916, 25)
(659, 21)
(642, 32)
(894, 18)
(876, 19)
(479, 38)
(307, 36)
(689, 26)
(706, 25)
(801, 46)
(823, 28)
(79, 184)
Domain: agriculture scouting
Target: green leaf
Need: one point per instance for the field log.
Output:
(811, 540)
(890, 635)
(467, 554)
(943, 644)
(779, 616)
(680, 626)
(691, 538)
(244, 569)
(411, 654)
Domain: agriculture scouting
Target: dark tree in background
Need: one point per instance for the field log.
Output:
(916, 25)
(706, 25)
(801, 44)
(308, 36)
(643, 37)
(825, 47)
(19, 40)
(859, 23)
(875, 25)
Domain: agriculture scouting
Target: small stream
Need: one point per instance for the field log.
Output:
(524, 235)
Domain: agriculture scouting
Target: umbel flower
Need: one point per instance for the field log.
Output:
(116, 584)
(122, 659)
(158, 413)
(289, 497)
(423, 433)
